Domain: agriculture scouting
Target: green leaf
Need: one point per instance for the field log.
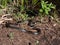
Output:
(46, 7)
(42, 4)
(41, 10)
(46, 11)
(22, 8)
(34, 2)
(53, 7)
(46, 2)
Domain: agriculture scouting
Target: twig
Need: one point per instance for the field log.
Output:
(4, 18)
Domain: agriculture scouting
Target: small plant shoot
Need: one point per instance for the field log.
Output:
(46, 7)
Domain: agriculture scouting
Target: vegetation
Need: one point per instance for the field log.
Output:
(10, 35)
(46, 7)
(22, 9)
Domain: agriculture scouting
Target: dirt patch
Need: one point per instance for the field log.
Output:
(48, 34)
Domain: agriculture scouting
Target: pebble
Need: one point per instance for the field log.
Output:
(36, 33)
(54, 24)
(23, 30)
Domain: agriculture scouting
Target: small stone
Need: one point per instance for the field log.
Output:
(36, 33)
(23, 30)
(54, 24)
(37, 42)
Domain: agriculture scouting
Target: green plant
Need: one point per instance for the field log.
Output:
(35, 4)
(24, 8)
(46, 7)
(22, 5)
(11, 36)
(4, 3)
(30, 5)
(21, 17)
